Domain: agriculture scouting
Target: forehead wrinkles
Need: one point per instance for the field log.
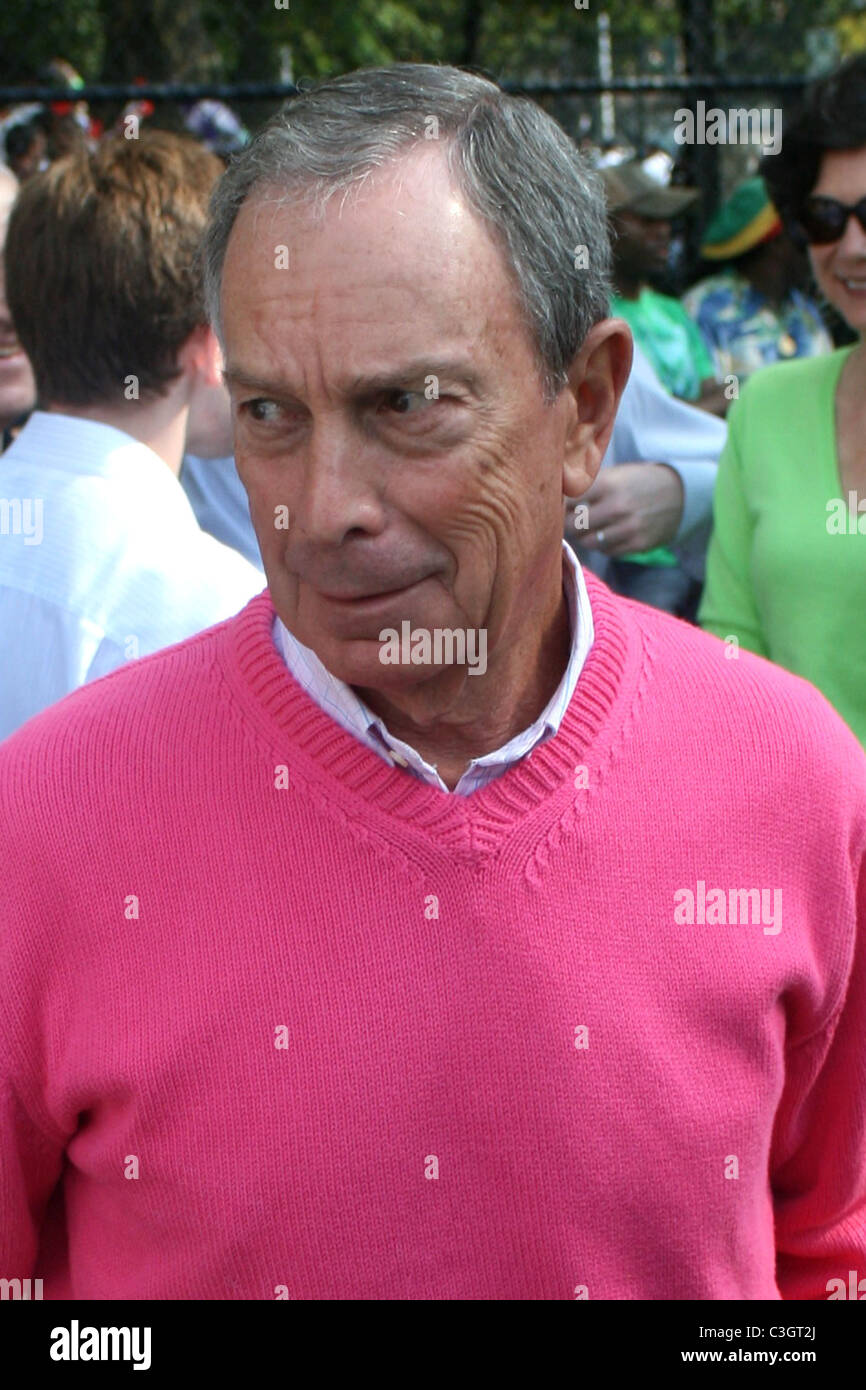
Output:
(326, 343)
(402, 297)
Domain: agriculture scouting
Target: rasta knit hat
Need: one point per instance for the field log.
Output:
(744, 221)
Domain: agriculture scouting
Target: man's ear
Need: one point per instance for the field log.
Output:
(596, 380)
(202, 355)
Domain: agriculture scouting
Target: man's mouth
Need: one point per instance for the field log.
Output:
(349, 597)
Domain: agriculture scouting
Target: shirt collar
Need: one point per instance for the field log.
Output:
(87, 448)
(340, 701)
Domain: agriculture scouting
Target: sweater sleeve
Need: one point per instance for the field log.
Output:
(32, 1145)
(818, 1159)
(30, 1165)
(728, 605)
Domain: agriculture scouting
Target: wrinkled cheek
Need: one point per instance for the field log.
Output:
(272, 520)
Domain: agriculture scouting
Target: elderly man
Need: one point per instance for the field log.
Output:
(343, 964)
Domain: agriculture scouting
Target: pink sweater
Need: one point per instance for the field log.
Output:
(356, 1038)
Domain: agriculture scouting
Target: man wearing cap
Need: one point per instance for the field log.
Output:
(753, 311)
(668, 346)
(640, 211)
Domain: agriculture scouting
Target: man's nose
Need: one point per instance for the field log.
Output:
(342, 489)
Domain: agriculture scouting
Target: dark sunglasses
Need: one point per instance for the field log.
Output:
(824, 219)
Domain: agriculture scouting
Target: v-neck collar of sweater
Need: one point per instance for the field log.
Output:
(355, 777)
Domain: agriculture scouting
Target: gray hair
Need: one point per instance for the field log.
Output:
(514, 165)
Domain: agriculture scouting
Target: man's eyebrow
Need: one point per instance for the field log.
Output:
(236, 376)
(455, 369)
(391, 379)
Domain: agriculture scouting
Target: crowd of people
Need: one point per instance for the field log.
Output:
(753, 342)
(249, 426)
(766, 295)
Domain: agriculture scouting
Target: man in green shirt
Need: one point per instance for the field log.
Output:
(640, 211)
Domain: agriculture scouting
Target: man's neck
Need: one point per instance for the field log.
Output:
(628, 286)
(770, 281)
(160, 425)
(488, 710)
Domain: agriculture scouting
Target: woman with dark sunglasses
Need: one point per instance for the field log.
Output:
(786, 567)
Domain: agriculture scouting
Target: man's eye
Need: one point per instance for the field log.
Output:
(264, 411)
(406, 402)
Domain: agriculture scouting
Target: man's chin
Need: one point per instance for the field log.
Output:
(375, 643)
(360, 663)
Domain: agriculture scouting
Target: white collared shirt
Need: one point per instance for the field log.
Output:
(101, 560)
(340, 701)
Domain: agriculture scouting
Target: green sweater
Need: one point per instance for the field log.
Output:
(786, 567)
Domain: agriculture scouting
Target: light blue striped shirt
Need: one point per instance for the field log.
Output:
(340, 701)
(101, 560)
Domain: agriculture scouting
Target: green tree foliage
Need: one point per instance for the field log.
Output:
(236, 40)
